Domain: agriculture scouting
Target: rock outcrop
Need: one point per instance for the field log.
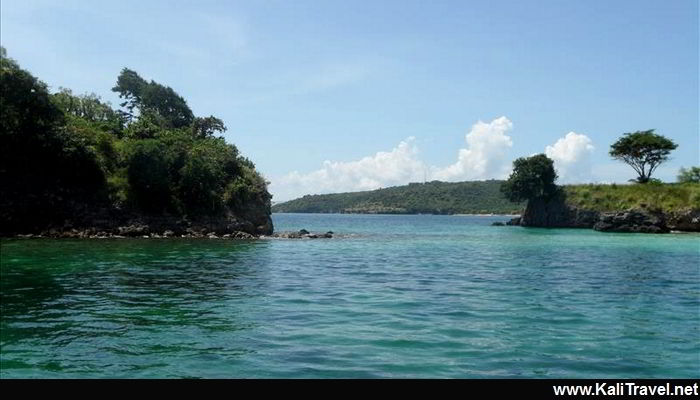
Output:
(557, 213)
(684, 220)
(111, 222)
(302, 234)
(633, 221)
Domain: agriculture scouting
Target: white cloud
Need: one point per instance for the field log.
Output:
(485, 155)
(395, 167)
(484, 158)
(571, 155)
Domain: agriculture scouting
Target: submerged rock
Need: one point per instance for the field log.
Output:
(514, 221)
(302, 234)
(498, 224)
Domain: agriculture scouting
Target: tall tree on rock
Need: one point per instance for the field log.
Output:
(644, 151)
(532, 178)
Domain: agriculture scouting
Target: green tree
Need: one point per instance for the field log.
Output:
(130, 87)
(91, 109)
(152, 97)
(149, 175)
(207, 127)
(690, 175)
(532, 177)
(644, 151)
(65, 156)
(44, 167)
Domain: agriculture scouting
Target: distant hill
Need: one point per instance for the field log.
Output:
(476, 197)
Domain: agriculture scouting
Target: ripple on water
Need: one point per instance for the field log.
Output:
(398, 296)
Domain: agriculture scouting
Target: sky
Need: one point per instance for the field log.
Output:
(340, 95)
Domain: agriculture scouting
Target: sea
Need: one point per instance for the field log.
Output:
(389, 296)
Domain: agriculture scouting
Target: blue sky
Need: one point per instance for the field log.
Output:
(346, 95)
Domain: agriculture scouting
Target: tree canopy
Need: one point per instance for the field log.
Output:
(43, 164)
(532, 177)
(151, 97)
(61, 151)
(690, 175)
(644, 151)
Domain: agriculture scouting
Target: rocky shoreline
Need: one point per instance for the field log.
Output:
(112, 222)
(145, 233)
(558, 214)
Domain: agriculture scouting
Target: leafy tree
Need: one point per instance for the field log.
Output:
(207, 127)
(130, 87)
(64, 154)
(644, 151)
(89, 108)
(148, 126)
(148, 170)
(152, 97)
(690, 175)
(247, 188)
(44, 167)
(532, 177)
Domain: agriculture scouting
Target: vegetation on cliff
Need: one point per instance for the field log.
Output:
(665, 197)
(647, 206)
(63, 154)
(478, 197)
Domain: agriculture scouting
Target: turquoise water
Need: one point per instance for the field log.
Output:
(394, 296)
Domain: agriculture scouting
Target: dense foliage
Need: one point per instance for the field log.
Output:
(644, 151)
(62, 152)
(478, 197)
(690, 175)
(532, 177)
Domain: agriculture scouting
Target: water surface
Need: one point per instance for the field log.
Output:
(395, 296)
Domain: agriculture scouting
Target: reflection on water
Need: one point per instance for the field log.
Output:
(125, 297)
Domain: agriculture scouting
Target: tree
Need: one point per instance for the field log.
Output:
(691, 175)
(152, 97)
(532, 177)
(206, 127)
(644, 151)
(44, 167)
(130, 87)
(90, 109)
(149, 174)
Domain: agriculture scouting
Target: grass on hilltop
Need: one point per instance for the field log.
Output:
(614, 197)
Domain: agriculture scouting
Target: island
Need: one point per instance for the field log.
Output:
(72, 166)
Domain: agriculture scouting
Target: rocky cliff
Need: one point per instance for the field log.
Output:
(557, 213)
(87, 221)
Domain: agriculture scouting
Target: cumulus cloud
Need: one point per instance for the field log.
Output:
(571, 155)
(386, 168)
(485, 155)
(483, 158)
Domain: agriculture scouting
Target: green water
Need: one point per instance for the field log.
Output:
(395, 296)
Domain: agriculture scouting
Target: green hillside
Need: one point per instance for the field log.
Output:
(477, 197)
